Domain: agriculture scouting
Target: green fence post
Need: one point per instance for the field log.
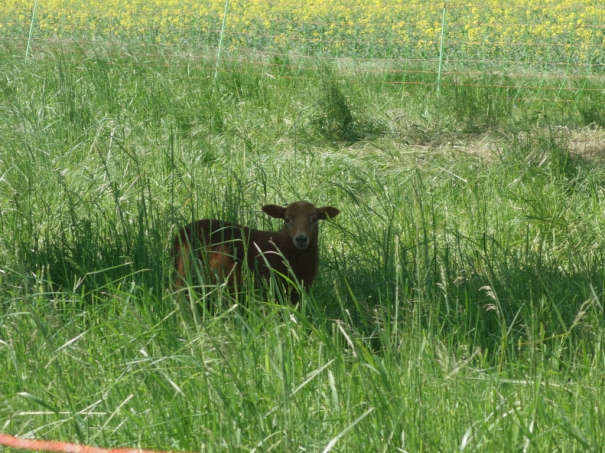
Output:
(220, 42)
(441, 51)
(31, 29)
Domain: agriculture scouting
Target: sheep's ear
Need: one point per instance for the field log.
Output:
(275, 211)
(327, 212)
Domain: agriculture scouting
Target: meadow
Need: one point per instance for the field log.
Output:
(460, 297)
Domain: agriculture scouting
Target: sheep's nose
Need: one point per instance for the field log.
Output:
(301, 241)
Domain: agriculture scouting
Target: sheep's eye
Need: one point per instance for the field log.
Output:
(313, 219)
(288, 219)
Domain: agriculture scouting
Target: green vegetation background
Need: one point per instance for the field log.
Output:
(459, 304)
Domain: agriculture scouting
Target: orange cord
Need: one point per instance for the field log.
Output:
(48, 445)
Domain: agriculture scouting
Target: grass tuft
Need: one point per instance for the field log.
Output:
(338, 121)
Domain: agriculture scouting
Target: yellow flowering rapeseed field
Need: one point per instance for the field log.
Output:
(516, 30)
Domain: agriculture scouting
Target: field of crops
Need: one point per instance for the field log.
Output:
(548, 32)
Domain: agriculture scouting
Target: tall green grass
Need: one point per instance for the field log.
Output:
(459, 304)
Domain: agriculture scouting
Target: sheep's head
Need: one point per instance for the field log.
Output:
(300, 221)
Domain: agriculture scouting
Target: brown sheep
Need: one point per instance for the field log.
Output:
(222, 246)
